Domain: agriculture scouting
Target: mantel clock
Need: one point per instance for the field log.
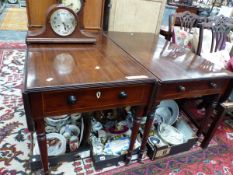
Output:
(64, 22)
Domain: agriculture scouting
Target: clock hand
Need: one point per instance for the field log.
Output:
(64, 25)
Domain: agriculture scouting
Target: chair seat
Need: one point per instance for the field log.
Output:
(218, 59)
(182, 38)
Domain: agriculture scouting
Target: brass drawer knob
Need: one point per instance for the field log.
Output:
(123, 95)
(213, 85)
(181, 88)
(72, 99)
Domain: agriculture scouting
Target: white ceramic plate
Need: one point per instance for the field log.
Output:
(167, 111)
(56, 149)
(170, 134)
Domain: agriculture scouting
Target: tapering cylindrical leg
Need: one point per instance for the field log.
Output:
(136, 125)
(149, 122)
(41, 138)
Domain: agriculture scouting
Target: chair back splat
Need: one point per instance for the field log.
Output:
(186, 20)
(220, 27)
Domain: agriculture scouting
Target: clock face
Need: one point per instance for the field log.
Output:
(63, 22)
(75, 5)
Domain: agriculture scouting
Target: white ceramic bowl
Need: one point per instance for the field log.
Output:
(57, 121)
(75, 117)
(69, 131)
(96, 126)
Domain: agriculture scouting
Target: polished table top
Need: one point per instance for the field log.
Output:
(164, 59)
(53, 66)
(56, 66)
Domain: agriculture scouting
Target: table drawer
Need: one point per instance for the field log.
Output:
(90, 99)
(190, 89)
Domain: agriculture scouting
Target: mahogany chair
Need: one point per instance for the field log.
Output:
(220, 27)
(185, 20)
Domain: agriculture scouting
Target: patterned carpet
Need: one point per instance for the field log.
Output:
(14, 19)
(15, 138)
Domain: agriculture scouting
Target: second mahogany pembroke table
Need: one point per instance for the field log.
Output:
(121, 69)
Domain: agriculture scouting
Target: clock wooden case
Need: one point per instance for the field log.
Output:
(63, 25)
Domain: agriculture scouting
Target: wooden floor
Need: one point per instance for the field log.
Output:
(14, 19)
(11, 35)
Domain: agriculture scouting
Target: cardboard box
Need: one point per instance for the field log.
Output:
(156, 151)
(104, 161)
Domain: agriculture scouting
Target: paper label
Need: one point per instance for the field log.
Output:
(163, 152)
